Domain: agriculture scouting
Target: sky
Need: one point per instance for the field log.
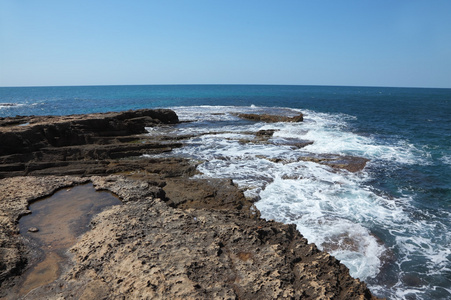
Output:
(405, 43)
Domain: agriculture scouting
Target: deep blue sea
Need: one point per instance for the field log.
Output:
(390, 224)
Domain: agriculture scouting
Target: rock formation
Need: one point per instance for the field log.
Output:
(271, 118)
(174, 237)
(79, 144)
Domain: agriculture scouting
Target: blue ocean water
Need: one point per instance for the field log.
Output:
(401, 203)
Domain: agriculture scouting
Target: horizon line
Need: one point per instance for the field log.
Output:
(218, 84)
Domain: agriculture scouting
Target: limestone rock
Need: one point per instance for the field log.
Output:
(16, 193)
(174, 237)
(150, 250)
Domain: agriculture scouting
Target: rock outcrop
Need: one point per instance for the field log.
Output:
(80, 144)
(146, 249)
(34, 133)
(174, 237)
(271, 118)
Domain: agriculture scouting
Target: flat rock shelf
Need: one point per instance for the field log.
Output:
(173, 236)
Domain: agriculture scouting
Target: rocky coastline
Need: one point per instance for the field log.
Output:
(173, 237)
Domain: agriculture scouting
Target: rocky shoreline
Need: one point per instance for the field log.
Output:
(174, 237)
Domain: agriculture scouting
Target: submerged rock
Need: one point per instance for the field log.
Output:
(33, 229)
(271, 118)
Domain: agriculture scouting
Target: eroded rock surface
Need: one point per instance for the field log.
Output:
(146, 249)
(15, 195)
(173, 238)
(79, 144)
(160, 252)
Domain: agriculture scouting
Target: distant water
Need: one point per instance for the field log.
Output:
(390, 224)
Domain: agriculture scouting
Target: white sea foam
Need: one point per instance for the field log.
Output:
(337, 210)
(331, 211)
(330, 136)
(446, 159)
(9, 105)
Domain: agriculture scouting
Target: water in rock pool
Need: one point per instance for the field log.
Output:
(389, 223)
(54, 226)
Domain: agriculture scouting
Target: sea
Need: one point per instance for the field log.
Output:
(390, 223)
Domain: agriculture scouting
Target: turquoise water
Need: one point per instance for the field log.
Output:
(402, 200)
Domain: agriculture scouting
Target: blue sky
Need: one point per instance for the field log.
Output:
(361, 43)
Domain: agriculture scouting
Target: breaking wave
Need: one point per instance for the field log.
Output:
(375, 234)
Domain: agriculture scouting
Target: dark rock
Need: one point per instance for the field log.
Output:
(345, 162)
(8, 104)
(217, 194)
(265, 133)
(52, 131)
(271, 118)
(80, 144)
(293, 142)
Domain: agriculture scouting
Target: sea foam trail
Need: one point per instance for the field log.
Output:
(10, 105)
(338, 210)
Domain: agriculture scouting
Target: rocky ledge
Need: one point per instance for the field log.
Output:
(173, 237)
(271, 118)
